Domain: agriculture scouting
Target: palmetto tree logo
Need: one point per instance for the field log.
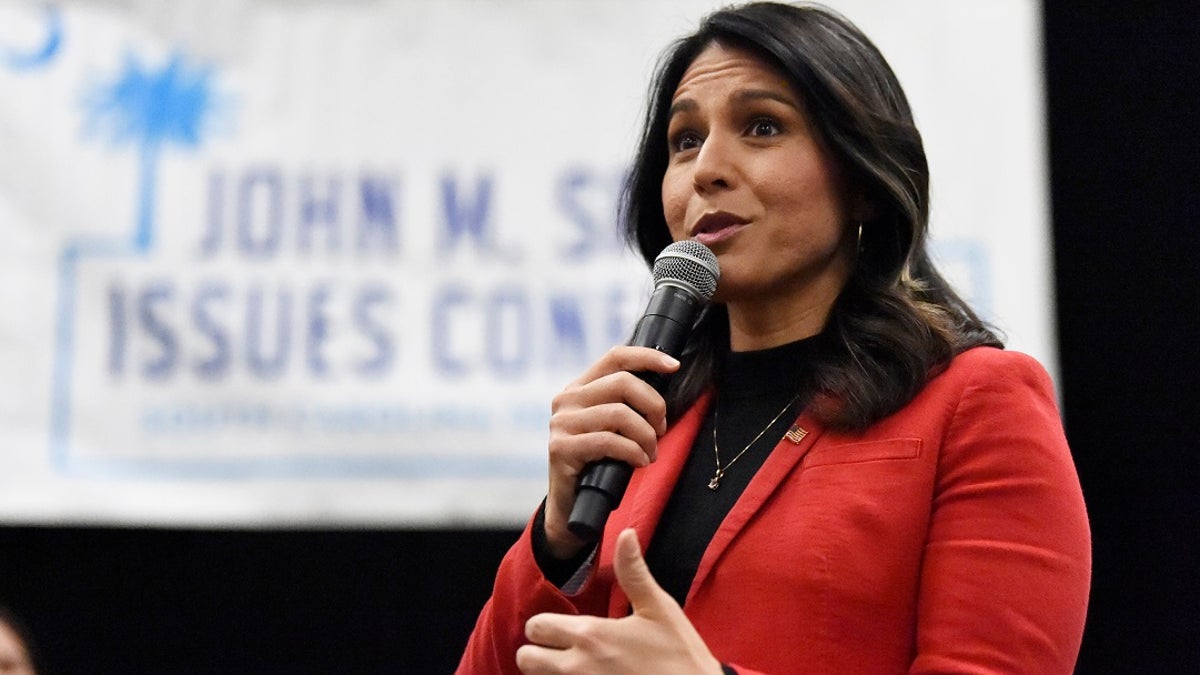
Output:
(149, 109)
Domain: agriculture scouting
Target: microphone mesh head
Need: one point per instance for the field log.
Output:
(691, 263)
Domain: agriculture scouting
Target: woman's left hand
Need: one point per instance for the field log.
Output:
(656, 637)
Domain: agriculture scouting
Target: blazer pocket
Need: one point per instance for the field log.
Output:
(871, 451)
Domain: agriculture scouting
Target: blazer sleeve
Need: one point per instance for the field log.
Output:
(520, 591)
(1007, 566)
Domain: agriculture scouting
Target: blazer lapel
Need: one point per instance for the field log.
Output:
(658, 480)
(779, 465)
(649, 490)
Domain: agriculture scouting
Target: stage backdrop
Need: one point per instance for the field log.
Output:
(327, 262)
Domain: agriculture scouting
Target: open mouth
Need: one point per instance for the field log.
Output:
(717, 226)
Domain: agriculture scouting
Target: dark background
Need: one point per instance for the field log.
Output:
(1123, 95)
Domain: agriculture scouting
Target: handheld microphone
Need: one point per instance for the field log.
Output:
(685, 278)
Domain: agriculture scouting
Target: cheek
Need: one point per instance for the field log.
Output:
(813, 202)
(674, 201)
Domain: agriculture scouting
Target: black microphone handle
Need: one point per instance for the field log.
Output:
(665, 326)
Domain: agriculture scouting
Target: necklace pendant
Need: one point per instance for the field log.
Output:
(715, 482)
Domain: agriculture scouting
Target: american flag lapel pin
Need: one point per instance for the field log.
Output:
(796, 433)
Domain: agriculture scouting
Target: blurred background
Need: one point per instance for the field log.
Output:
(288, 286)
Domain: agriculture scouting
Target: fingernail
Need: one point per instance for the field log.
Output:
(637, 545)
(669, 360)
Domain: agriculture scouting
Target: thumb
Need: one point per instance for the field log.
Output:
(633, 575)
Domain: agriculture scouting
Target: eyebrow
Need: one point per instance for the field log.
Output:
(741, 96)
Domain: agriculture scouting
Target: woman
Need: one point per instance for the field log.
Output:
(847, 474)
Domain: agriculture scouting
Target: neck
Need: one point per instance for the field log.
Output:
(765, 324)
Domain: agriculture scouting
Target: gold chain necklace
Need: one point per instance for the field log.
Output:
(715, 482)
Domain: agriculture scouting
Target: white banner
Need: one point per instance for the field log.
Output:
(328, 262)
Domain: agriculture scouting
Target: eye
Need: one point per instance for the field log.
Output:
(684, 141)
(764, 126)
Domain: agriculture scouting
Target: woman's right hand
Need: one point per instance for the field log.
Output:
(607, 412)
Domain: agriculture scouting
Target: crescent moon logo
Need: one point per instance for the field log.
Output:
(40, 53)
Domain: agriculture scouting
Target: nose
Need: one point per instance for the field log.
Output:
(714, 167)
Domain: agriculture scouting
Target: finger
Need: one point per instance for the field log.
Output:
(537, 660)
(558, 631)
(630, 359)
(615, 426)
(644, 593)
(572, 453)
(622, 387)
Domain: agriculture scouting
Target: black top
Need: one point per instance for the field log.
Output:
(752, 388)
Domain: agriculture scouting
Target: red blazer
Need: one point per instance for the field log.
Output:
(948, 537)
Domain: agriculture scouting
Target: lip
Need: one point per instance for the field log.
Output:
(717, 226)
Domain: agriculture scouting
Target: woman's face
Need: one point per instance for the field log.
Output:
(748, 176)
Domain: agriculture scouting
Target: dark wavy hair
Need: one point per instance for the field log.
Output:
(897, 322)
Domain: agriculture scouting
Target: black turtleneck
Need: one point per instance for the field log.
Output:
(751, 389)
